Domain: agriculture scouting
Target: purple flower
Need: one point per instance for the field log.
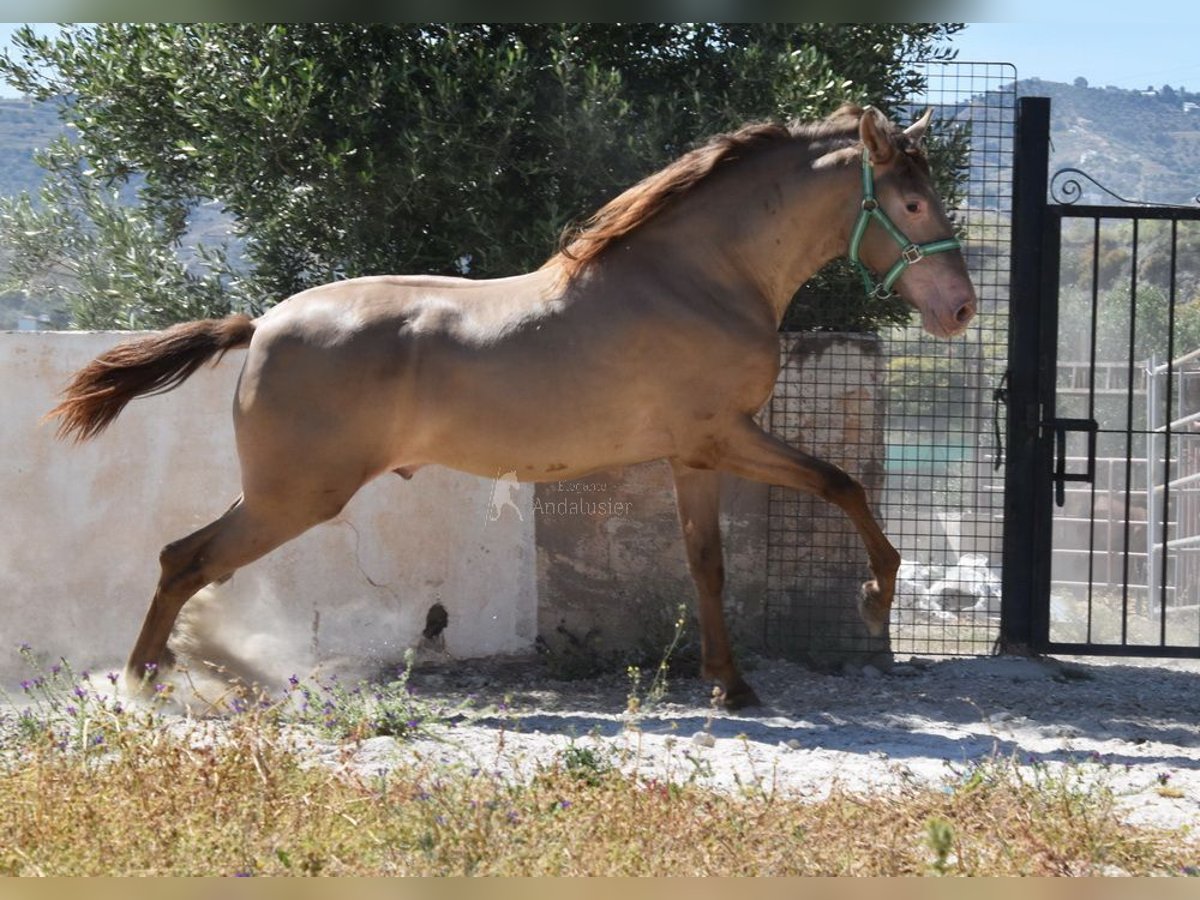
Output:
(293, 681)
(79, 692)
(27, 685)
(112, 677)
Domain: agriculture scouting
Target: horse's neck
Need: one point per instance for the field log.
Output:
(770, 224)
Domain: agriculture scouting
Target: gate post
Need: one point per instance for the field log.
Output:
(1024, 624)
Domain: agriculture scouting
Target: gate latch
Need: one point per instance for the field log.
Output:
(1061, 475)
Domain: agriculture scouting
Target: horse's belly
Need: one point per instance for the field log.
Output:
(536, 430)
(546, 448)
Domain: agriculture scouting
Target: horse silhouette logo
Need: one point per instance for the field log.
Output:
(505, 491)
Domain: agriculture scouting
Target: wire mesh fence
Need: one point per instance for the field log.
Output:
(915, 419)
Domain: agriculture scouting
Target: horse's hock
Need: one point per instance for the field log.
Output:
(612, 572)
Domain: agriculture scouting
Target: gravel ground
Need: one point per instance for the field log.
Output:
(1132, 726)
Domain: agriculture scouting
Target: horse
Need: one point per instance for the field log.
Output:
(650, 333)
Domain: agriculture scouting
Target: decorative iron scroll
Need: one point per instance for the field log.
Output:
(1066, 190)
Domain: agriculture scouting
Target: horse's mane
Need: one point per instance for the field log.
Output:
(583, 243)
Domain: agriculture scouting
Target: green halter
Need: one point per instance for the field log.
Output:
(909, 252)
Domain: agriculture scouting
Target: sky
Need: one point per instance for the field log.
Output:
(1124, 55)
(1073, 39)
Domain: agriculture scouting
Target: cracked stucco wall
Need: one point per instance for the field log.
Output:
(82, 527)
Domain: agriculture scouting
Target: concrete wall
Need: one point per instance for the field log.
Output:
(612, 569)
(82, 527)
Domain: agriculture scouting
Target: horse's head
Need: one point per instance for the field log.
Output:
(903, 229)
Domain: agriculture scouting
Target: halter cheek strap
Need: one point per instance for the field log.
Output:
(910, 253)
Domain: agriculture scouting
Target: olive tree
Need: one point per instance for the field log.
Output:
(337, 150)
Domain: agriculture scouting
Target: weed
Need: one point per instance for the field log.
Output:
(660, 683)
(585, 763)
(364, 709)
(940, 835)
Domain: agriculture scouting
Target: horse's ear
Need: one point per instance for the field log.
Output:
(876, 134)
(916, 131)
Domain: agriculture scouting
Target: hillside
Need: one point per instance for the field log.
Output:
(24, 127)
(1138, 146)
(27, 126)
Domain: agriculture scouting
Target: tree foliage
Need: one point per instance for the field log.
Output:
(344, 149)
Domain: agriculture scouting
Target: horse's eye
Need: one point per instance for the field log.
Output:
(913, 206)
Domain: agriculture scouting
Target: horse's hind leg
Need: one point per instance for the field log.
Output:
(697, 493)
(752, 453)
(248, 530)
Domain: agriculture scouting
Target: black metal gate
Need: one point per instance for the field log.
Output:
(1102, 517)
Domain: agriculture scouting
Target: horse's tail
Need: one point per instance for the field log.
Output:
(153, 364)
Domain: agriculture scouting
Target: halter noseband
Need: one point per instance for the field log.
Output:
(909, 252)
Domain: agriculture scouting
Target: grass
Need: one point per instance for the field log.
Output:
(88, 787)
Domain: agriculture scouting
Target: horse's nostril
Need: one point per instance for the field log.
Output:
(965, 313)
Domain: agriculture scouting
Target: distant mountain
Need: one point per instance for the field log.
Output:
(25, 126)
(1142, 145)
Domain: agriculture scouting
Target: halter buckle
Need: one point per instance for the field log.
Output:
(912, 254)
(870, 204)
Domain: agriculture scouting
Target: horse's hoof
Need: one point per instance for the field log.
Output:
(873, 609)
(144, 680)
(739, 695)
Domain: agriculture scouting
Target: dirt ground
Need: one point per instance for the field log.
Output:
(1132, 726)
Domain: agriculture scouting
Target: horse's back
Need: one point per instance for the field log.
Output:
(348, 311)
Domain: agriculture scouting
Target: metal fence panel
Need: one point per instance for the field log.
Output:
(915, 419)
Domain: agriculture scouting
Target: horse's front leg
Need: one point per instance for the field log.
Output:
(697, 492)
(759, 456)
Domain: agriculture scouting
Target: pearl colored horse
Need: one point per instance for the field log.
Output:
(651, 334)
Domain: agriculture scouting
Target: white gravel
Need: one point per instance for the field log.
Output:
(1131, 726)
